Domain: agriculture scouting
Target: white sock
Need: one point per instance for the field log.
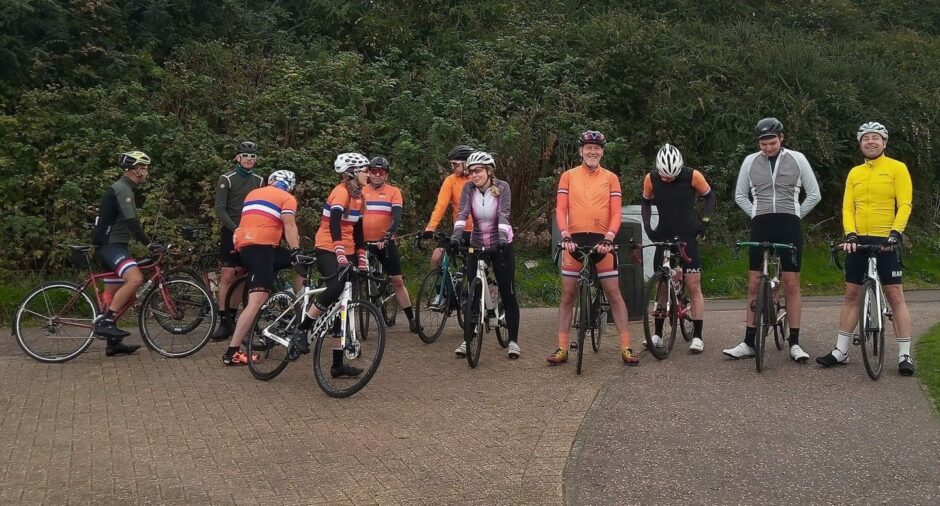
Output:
(843, 339)
(904, 347)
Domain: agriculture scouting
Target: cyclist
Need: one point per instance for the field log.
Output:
(875, 210)
(588, 214)
(768, 190)
(489, 200)
(379, 224)
(269, 213)
(673, 187)
(340, 234)
(450, 192)
(115, 225)
(230, 193)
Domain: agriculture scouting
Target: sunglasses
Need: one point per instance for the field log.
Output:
(250, 156)
(377, 171)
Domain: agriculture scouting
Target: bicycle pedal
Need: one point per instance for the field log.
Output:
(856, 339)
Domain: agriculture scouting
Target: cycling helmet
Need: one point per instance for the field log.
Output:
(872, 126)
(283, 179)
(669, 161)
(346, 163)
(132, 159)
(592, 137)
(247, 147)
(460, 153)
(480, 158)
(379, 162)
(768, 127)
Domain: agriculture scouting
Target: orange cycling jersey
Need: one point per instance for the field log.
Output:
(378, 214)
(451, 189)
(588, 201)
(261, 222)
(340, 201)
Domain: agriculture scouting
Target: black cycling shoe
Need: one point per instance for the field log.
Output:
(108, 330)
(413, 326)
(116, 347)
(829, 360)
(300, 342)
(345, 371)
(906, 366)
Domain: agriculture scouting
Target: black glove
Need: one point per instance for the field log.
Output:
(453, 246)
(894, 239)
(502, 243)
(427, 234)
(156, 248)
(851, 238)
(293, 255)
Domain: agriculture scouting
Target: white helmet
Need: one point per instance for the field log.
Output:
(346, 162)
(669, 161)
(283, 179)
(872, 126)
(480, 158)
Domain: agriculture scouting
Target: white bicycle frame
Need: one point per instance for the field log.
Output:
(486, 301)
(880, 305)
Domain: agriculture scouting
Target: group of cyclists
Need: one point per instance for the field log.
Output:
(364, 211)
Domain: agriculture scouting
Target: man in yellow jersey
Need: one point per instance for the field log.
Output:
(588, 214)
(875, 210)
(450, 192)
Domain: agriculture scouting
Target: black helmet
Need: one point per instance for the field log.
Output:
(768, 127)
(379, 162)
(247, 147)
(592, 137)
(460, 153)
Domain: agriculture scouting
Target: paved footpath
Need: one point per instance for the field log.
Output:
(429, 430)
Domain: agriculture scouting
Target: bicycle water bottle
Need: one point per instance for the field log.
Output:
(677, 276)
(490, 296)
(143, 288)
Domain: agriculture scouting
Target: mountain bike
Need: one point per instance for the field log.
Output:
(769, 313)
(356, 325)
(667, 300)
(441, 294)
(591, 308)
(55, 322)
(483, 310)
(872, 309)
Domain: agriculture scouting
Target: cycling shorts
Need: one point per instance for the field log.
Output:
(388, 257)
(691, 250)
(116, 257)
(606, 264)
(262, 263)
(890, 270)
(781, 228)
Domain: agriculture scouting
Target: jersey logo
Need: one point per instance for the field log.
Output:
(897, 274)
(127, 199)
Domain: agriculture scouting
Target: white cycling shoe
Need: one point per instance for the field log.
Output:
(742, 350)
(697, 345)
(461, 350)
(797, 353)
(657, 341)
(513, 350)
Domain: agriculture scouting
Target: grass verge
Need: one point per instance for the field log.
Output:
(927, 352)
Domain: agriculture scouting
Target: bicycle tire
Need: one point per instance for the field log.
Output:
(502, 330)
(186, 307)
(270, 352)
(237, 296)
(584, 320)
(600, 317)
(685, 321)
(781, 327)
(390, 306)
(871, 335)
(371, 348)
(762, 322)
(658, 287)
(432, 319)
(26, 320)
(473, 323)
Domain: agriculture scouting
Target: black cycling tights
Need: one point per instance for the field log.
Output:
(504, 268)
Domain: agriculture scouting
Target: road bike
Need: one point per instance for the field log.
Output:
(483, 310)
(667, 300)
(441, 294)
(769, 312)
(55, 322)
(591, 307)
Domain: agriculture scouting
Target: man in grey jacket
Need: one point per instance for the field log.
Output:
(768, 190)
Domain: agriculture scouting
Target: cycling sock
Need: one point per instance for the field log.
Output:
(409, 313)
(904, 346)
(749, 334)
(794, 338)
(843, 339)
(563, 341)
(231, 313)
(306, 324)
(108, 315)
(697, 328)
(659, 326)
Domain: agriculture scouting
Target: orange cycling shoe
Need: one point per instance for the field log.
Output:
(239, 358)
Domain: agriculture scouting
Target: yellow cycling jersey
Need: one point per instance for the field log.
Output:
(877, 198)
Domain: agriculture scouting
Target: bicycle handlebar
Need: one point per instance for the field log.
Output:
(583, 251)
(836, 247)
(419, 238)
(675, 246)
(772, 246)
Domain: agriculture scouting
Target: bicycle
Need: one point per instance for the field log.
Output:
(377, 289)
(591, 309)
(872, 310)
(55, 322)
(769, 313)
(483, 304)
(270, 334)
(441, 294)
(667, 300)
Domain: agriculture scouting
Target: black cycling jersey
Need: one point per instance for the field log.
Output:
(117, 216)
(675, 202)
(230, 195)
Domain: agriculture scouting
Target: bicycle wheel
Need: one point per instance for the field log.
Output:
(275, 317)
(661, 305)
(871, 330)
(173, 320)
(500, 325)
(584, 319)
(685, 317)
(389, 305)
(473, 322)
(432, 306)
(55, 321)
(363, 352)
(600, 317)
(781, 327)
(763, 321)
(237, 296)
